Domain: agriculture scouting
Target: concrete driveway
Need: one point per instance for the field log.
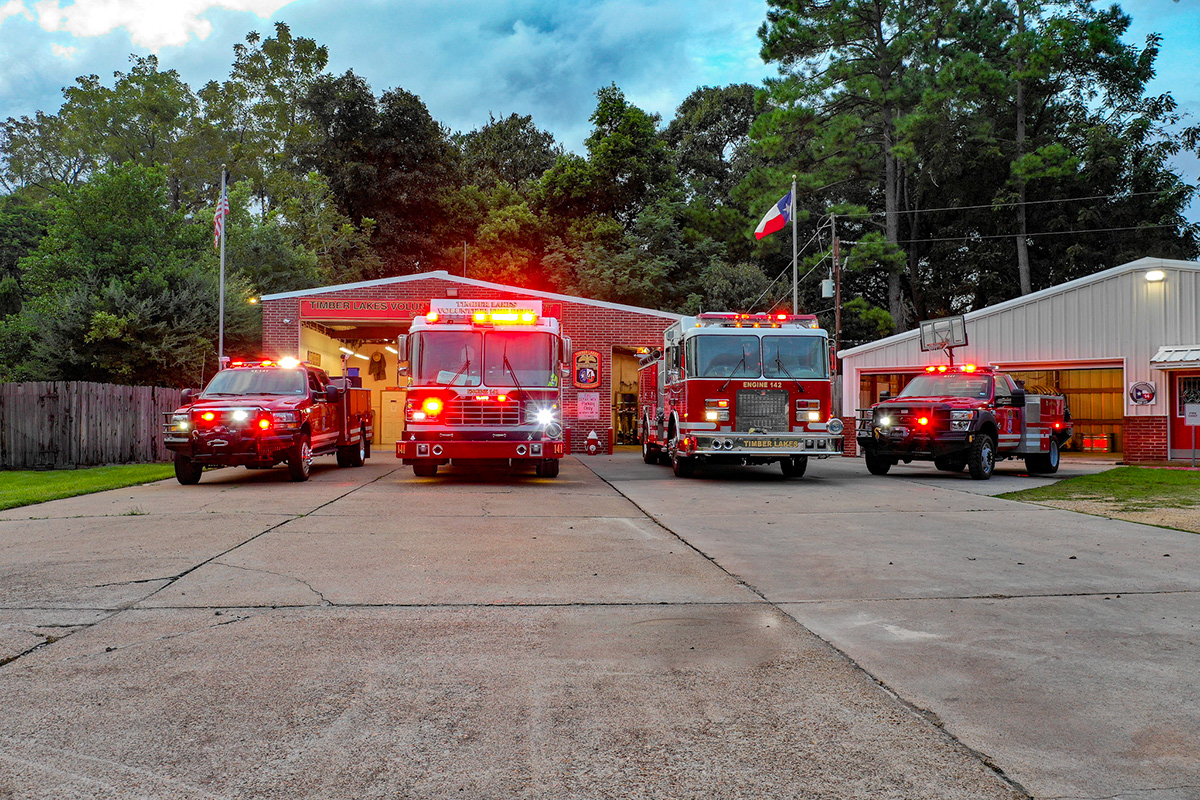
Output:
(1059, 646)
(369, 634)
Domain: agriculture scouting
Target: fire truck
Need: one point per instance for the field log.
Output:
(965, 416)
(484, 387)
(261, 413)
(731, 388)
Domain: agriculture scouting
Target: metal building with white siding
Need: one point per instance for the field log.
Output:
(1123, 345)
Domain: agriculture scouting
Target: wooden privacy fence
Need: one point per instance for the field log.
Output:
(74, 424)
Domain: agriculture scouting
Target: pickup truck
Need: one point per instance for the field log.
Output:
(964, 416)
(262, 413)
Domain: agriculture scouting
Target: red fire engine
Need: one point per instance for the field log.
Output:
(484, 387)
(739, 389)
(965, 416)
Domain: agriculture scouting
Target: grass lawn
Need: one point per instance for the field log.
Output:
(1128, 488)
(25, 487)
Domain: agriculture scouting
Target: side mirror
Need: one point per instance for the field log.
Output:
(332, 393)
(402, 370)
(187, 396)
(402, 346)
(1018, 399)
(885, 395)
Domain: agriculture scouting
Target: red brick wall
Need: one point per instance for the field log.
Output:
(589, 327)
(1145, 439)
(851, 444)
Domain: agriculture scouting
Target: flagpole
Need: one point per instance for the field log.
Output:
(795, 272)
(221, 299)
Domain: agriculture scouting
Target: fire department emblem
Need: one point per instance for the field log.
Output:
(1142, 393)
(587, 369)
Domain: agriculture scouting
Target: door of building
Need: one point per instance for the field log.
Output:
(1185, 388)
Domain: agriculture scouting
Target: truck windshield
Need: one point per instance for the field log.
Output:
(724, 357)
(448, 358)
(797, 357)
(530, 355)
(976, 387)
(229, 382)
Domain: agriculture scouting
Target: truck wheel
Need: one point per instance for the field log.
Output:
(424, 470)
(950, 463)
(682, 466)
(1044, 463)
(187, 472)
(299, 460)
(547, 468)
(649, 453)
(878, 465)
(794, 467)
(981, 459)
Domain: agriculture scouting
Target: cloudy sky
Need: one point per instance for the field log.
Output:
(466, 58)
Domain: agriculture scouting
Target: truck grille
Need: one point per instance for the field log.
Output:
(762, 409)
(469, 411)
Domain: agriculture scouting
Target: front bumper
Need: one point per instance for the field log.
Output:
(442, 451)
(821, 445)
(229, 447)
(906, 443)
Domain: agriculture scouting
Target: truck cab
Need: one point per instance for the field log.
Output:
(261, 413)
(964, 417)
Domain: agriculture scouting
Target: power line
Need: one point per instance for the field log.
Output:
(1030, 235)
(998, 205)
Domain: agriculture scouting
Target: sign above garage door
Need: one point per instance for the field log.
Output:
(362, 309)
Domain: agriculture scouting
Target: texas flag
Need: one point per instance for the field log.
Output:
(777, 217)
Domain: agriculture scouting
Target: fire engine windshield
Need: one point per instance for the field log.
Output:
(724, 356)
(530, 356)
(257, 381)
(448, 358)
(976, 387)
(796, 357)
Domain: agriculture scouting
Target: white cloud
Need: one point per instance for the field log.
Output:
(12, 8)
(65, 52)
(152, 24)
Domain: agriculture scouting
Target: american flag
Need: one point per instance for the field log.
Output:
(219, 218)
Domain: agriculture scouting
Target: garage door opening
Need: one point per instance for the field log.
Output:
(368, 354)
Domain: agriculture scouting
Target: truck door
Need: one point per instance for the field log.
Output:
(1008, 418)
(319, 416)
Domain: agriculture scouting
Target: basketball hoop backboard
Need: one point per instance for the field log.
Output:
(944, 333)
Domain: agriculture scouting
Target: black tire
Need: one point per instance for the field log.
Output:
(878, 465)
(425, 470)
(649, 453)
(682, 466)
(366, 445)
(299, 459)
(187, 472)
(950, 463)
(794, 467)
(981, 460)
(1044, 463)
(548, 468)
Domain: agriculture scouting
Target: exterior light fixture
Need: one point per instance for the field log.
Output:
(391, 350)
(1156, 276)
(253, 301)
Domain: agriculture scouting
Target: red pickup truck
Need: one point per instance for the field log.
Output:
(965, 416)
(262, 413)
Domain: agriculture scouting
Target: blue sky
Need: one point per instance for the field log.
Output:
(466, 58)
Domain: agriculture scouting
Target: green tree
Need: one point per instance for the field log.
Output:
(124, 289)
(511, 150)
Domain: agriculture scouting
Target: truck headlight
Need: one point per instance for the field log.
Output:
(543, 416)
(835, 425)
(885, 421)
(180, 423)
(961, 420)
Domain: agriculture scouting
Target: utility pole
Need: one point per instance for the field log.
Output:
(837, 289)
(464, 258)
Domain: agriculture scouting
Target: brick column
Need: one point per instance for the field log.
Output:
(851, 444)
(1145, 439)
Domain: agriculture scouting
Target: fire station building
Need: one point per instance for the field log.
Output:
(1122, 345)
(352, 328)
